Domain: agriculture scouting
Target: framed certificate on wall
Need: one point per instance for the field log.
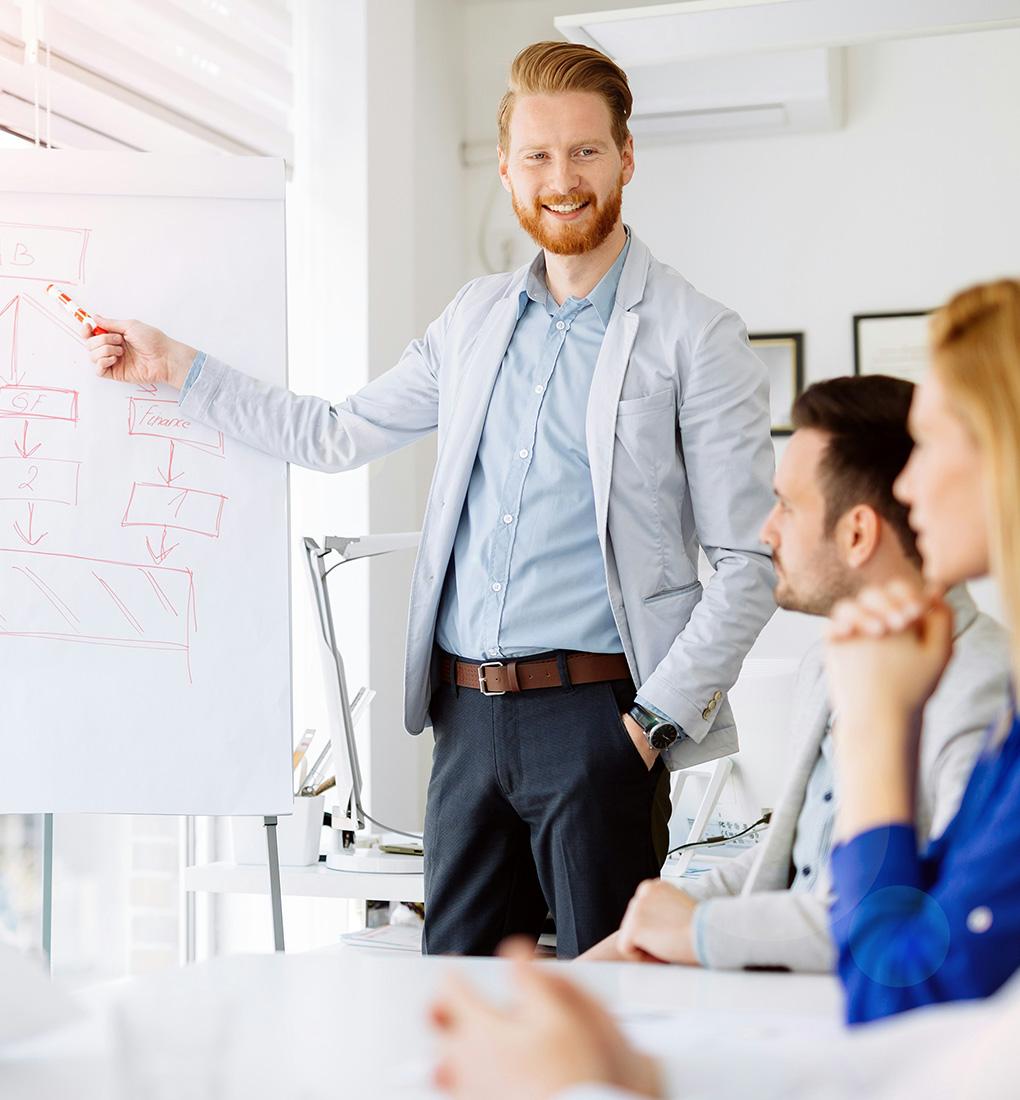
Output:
(783, 355)
(895, 344)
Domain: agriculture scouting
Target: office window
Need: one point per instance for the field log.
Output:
(152, 75)
(20, 870)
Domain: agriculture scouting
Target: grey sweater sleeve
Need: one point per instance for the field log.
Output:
(773, 928)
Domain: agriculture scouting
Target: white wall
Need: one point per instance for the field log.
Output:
(415, 229)
(913, 199)
(375, 249)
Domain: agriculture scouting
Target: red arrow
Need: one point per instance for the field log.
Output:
(16, 375)
(169, 477)
(22, 447)
(28, 538)
(164, 551)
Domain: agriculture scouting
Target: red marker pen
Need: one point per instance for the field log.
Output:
(76, 311)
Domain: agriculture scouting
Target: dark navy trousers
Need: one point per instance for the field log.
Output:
(538, 802)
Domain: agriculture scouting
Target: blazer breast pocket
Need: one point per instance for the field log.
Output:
(646, 431)
(652, 402)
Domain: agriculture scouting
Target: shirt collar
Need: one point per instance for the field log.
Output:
(602, 296)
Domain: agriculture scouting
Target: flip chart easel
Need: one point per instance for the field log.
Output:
(144, 559)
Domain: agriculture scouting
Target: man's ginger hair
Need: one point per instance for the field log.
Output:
(548, 67)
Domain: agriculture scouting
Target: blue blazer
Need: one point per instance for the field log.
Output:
(944, 925)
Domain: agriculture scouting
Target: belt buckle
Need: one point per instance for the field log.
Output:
(481, 677)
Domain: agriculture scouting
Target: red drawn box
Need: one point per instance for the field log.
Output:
(161, 419)
(191, 510)
(42, 253)
(54, 480)
(94, 601)
(38, 403)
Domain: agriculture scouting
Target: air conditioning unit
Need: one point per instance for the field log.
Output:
(714, 68)
(739, 96)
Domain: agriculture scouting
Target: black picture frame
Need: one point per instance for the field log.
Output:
(783, 355)
(905, 354)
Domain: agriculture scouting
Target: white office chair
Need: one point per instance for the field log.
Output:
(349, 817)
(753, 778)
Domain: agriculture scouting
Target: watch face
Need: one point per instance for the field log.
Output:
(662, 736)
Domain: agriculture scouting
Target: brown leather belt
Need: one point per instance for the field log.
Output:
(523, 674)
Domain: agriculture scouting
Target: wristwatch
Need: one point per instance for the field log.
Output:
(659, 733)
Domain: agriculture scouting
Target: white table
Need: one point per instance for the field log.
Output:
(350, 1022)
(316, 881)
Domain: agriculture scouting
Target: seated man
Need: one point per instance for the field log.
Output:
(836, 528)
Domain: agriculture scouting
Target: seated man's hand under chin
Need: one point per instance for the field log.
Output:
(553, 1037)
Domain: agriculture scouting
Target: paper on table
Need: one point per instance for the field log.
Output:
(398, 937)
(656, 1031)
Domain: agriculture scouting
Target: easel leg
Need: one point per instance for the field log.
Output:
(189, 857)
(47, 890)
(275, 891)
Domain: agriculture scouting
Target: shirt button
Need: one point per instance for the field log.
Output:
(979, 920)
(523, 452)
(807, 872)
(496, 586)
(508, 518)
(560, 325)
(540, 388)
(827, 796)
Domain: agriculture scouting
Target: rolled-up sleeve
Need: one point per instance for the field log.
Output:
(912, 929)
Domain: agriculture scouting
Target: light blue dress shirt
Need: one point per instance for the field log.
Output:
(527, 574)
(812, 843)
(196, 369)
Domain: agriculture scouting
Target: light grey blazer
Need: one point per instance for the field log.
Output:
(751, 918)
(680, 452)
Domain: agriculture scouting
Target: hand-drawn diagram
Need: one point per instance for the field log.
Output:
(27, 477)
(70, 598)
(55, 593)
(43, 253)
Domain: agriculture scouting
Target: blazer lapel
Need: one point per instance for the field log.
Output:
(610, 368)
(460, 444)
(456, 456)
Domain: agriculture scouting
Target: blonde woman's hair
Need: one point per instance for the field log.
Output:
(546, 67)
(975, 341)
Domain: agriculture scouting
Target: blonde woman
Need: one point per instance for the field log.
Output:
(944, 925)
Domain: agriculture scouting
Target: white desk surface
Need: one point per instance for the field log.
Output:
(315, 881)
(351, 1022)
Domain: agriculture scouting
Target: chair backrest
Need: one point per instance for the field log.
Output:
(762, 702)
(736, 789)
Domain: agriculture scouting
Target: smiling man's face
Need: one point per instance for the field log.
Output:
(564, 170)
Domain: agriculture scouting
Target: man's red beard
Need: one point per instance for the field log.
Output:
(571, 238)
